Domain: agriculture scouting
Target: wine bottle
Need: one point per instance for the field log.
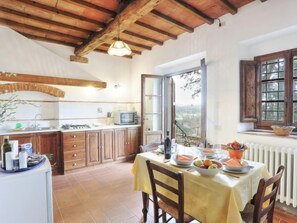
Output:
(167, 147)
(6, 148)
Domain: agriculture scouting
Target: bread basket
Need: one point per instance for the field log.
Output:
(282, 130)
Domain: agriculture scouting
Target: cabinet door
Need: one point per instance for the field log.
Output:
(107, 145)
(93, 148)
(49, 142)
(25, 138)
(133, 141)
(120, 143)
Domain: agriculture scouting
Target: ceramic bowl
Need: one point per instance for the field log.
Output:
(209, 172)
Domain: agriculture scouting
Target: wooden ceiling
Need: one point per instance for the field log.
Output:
(89, 25)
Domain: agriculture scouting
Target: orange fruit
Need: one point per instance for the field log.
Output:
(207, 162)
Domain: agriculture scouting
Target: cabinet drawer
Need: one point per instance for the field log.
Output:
(69, 165)
(74, 155)
(74, 145)
(73, 136)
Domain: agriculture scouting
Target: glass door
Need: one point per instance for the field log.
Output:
(152, 108)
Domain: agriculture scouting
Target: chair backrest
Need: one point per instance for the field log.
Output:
(267, 191)
(148, 147)
(157, 184)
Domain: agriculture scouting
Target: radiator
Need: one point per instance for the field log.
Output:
(272, 157)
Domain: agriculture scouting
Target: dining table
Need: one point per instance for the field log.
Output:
(217, 199)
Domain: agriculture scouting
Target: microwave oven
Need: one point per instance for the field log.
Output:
(125, 118)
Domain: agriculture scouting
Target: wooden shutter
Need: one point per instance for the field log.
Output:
(248, 91)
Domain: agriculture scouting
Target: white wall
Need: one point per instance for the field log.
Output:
(240, 38)
(21, 55)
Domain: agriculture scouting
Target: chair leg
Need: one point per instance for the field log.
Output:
(164, 216)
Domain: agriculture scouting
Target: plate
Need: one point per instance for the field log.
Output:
(172, 162)
(244, 170)
(235, 168)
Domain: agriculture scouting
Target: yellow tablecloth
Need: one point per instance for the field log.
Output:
(217, 199)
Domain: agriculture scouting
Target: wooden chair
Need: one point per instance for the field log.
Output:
(254, 211)
(148, 147)
(161, 201)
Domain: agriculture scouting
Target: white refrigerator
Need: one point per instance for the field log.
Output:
(26, 197)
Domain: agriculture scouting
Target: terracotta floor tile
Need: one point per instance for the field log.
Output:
(76, 214)
(66, 198)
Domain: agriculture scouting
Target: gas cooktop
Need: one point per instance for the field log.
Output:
(77, 126)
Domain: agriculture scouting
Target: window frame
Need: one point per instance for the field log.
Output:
(288, 56)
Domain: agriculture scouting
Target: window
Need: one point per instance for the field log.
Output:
(269, 90)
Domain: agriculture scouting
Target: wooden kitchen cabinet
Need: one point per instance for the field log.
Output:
(126, 142)
(49, 142)
(93, 147)
(26, 138)
(74, 150)
(43, 143)
(120, 141)
(107, 145)
(133, 141)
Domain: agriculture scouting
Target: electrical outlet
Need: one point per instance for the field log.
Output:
(99, 110)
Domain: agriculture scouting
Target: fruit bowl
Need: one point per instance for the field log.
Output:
(282, 130)
(183, 159)
(205, 170)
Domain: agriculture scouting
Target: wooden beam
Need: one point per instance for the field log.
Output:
(50, 80)
(49, 40)
(143, 37)
(79, 59)
(56, 11)
(226, 5)
(93, 6)
(189, 8)
(160, 31)
(47, 21)
(21, 26)
(129, 15)
(173, 21)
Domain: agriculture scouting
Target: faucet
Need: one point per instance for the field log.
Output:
(36, 125)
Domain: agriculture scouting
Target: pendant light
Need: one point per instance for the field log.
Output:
(119, 48)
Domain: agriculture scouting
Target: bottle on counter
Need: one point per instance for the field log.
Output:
(167, 147)
(23, 159)
(5, 149)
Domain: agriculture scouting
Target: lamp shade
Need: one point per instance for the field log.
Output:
(119, 48)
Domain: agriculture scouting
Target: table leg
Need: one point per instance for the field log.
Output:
(145, 203)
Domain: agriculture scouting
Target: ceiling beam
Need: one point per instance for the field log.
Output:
(40, 79)
(173, 21)
(143, 37)
(47, 21)
(93, 6)
(21, 26)
(226, 5)
(49, 40)
(160, 31)
(181, 3)
(57, 11)
(134, 11)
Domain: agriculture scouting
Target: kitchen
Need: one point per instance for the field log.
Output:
(222, 46)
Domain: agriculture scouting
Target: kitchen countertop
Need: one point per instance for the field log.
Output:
(16, 132)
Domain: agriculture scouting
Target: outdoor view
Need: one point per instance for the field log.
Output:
(188, 107)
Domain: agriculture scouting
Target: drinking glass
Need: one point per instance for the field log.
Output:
(217, 150)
